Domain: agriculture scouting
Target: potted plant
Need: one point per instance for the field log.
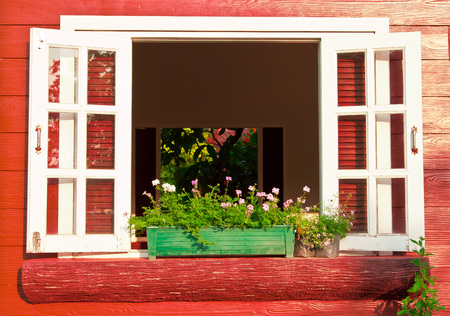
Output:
(216, 223)
(320, 235)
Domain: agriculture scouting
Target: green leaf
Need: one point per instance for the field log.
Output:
(416, 261)
(420, 304)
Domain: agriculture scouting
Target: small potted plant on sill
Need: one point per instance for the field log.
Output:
(320, 235)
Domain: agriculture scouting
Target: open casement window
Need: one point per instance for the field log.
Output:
(79, 142)
(371, 127)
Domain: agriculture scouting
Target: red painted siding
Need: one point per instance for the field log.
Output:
(429, 17)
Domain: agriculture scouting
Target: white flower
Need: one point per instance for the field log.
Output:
(155, 182)
(168, 187)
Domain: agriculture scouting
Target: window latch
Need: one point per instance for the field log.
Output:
(36, 242)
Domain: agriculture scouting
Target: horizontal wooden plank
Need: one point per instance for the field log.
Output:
(436, 118)
(434, 39)
(436, 151)
(215, 279)
(11, 234)
(13, 189)
(13, 77)
(13, 114)
(13, 151)
(435, 78)
(401, 12)
(437, 188)
(268, 308)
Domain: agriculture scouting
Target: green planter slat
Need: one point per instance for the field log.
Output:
(172, 241)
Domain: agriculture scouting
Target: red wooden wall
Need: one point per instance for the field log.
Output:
(16, 18)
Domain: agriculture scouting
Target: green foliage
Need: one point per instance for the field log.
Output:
(192, 210)
(209, 155)
(320, 231)
(423, 298)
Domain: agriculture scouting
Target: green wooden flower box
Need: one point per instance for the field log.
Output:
(172, 241)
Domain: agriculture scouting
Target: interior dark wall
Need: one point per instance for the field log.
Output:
(235, 84)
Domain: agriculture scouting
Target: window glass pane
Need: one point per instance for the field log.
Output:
(390, 141)
(391, 206)
(356, 202)
(63, 75)
(351, 79)
(60, 206)
(389, 77)
(100, 141)
(101, 77)
(61, 140)
(352, 142)
(99, 206)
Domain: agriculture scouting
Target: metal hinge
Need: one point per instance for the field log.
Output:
(36, 242)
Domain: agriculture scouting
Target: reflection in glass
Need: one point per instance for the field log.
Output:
(391, 206)
(356, 202)
(100, 141)
(101, 77)
(352, 142)
(389, 77)
(390, 141)
(61, 140)
(99, 206)
(63, 75)
(351, 79)
(61, 199)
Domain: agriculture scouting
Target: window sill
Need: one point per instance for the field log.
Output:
(216, 279)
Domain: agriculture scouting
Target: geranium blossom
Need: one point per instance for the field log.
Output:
(228, 179)
(238, 192)
(276, 191)
(266, 207)
(306, 189)
(251, 188)
(155, 182)
(270, 197)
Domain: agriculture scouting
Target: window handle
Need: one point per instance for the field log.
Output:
(414, 149)
(38, 140)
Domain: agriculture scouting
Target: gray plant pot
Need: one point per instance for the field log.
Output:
(305, 250)
(330, 251)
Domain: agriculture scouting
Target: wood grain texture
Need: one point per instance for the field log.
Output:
(436, 118)
(436, 151)
(13, 155)
(434, 39)
(279, 308)
(401, 12)
(437, 188)
(13, 114)
(435, 78)
(13, 77)
(46, 281)
(13, 189)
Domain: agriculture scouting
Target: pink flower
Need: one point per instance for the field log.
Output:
(306, 189)
(251, 188)
(228, 178)
(241, 201)
(276, 191)
(266, 207)
(238, 192)
(270, 197)
(260, 194)
(250, 208)
(194, 182)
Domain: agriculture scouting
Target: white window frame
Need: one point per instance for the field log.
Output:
(268, 29)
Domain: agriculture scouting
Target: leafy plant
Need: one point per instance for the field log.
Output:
(320, 231)
(423, 298)
(209, 155)
(194, 209)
